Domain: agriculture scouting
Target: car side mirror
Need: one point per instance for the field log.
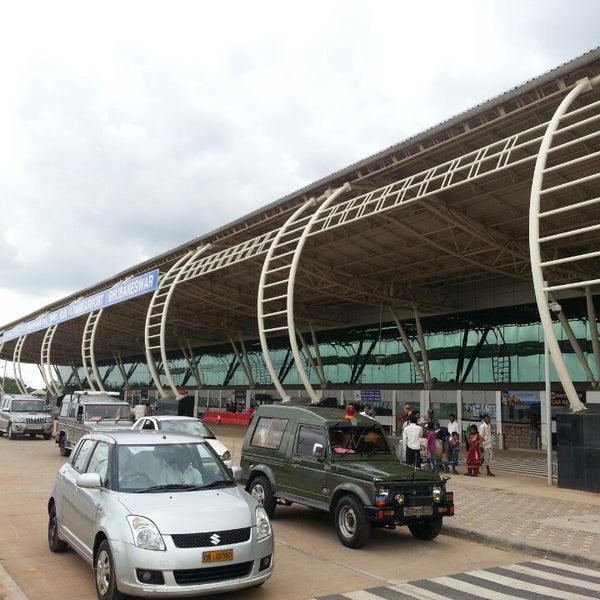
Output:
(317, 450)
(236, 473)
(89, 480)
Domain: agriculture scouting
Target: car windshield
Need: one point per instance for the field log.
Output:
(191, 426)
(29, 406)
(351, 440)
(155, 468)
(106, 412)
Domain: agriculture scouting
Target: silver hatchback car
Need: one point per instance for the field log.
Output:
(158, 514)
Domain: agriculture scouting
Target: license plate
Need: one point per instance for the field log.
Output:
(213, 556)
(417, 511)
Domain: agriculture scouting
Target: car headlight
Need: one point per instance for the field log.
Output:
(226, 455)
(263, 525)
(437, 493)
(145, 533)
(49, 419)
(18, 419)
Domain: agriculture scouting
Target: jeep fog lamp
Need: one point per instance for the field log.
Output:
(399, 498)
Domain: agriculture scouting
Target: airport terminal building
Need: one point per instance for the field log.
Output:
(442, 272)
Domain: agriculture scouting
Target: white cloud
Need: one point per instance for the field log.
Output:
(113, 113)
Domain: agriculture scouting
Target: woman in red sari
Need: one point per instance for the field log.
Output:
(474, 454)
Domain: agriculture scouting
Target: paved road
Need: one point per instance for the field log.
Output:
(516, 516)
(533, 580)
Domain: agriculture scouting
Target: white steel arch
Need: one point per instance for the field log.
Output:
(90, 368)
(17, 364)
(276, 287)
(156, 318)
(45, 364)
(542, 211)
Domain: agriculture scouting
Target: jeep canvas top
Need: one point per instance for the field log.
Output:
(342, 464)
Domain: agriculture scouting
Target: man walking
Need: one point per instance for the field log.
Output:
(485, 431)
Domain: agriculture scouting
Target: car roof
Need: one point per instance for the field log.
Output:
(170, 418)
(132, 437)
(313, 414)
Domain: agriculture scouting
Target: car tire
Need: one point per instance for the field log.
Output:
(104, 574)
(47, 436)
(261, 490)
(10, 433)
(54, 542)
(351, 523)
(426, 530)
(62, 446)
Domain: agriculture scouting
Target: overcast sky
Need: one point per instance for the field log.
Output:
(128, 128)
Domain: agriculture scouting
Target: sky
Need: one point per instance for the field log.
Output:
(131, 127)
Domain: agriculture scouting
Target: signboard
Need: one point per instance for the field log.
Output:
(368, 396)
(131, 288)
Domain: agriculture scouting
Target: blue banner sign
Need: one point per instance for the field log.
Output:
(136, 286)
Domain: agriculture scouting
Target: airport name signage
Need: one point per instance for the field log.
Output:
(136, 286)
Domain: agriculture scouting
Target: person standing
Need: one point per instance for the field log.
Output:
(534, 424)
(432, 447)
(411, 440)
(453, 425)
(454, 449)
(485, 431)
(474, 455)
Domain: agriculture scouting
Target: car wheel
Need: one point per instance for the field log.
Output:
(32, 436)
(47, 436)
(353, 527)
(426, 530)
(261, 490)
(104, 574)
(54, 542)
(10, 433)
(62, 447)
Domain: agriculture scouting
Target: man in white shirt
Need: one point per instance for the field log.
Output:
(453, 425)
(485, 431)
(411, 439)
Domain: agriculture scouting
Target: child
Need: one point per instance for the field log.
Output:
(432, 446)
(454, 444)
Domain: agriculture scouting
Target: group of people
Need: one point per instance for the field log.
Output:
(479, 442)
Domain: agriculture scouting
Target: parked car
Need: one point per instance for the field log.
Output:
(341, 464)
(188, 425)
(85, 411)
(23, 414)
(158, 515)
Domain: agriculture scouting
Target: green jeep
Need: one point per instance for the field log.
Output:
(343, 465)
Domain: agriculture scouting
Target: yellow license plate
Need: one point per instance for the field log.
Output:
(213, 556)
(417, 511)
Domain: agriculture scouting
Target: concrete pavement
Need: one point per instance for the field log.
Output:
(512, 510)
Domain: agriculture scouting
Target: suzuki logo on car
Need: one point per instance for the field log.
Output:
(215, 539)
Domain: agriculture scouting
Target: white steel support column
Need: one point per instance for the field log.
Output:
(275, 306)
(156, 318)
(538, 213)
(408, 347)
(87, 351)
(593, 323)
(242, 357)
(17, 364)
(190, 358)
(45, 363)
(318, 368)
(121, 367)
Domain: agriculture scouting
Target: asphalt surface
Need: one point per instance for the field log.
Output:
(511, 510)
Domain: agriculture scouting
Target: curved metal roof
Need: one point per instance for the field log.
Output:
(436, 224)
